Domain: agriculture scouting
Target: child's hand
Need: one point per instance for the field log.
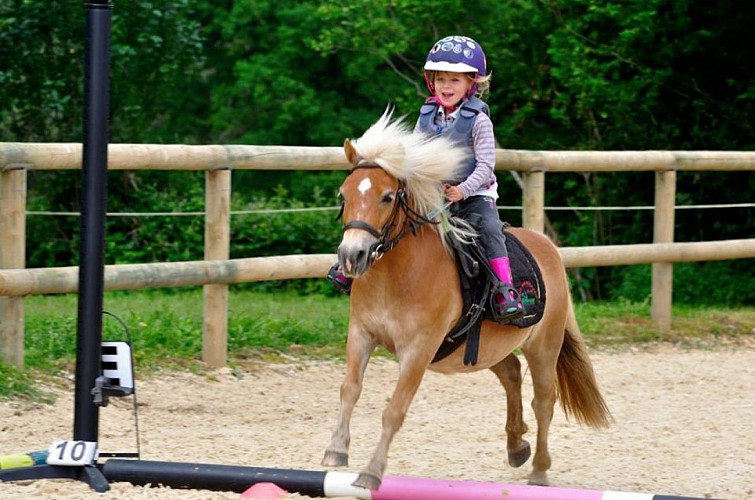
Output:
(453, 193)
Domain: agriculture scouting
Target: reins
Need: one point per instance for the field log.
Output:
(412, 221)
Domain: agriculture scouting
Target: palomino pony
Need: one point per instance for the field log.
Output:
(406, 297)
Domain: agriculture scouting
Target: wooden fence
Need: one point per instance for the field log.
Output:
(217, 271)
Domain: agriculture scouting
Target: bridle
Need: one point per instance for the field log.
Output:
(388, 237)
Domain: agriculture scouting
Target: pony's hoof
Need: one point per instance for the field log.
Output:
(335, 459)
(538, 478)
(368, 481)
(520, 456)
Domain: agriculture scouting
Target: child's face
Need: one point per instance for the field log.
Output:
(450, 88)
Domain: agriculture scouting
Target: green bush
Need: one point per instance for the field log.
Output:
(723, 283)
(282, 232)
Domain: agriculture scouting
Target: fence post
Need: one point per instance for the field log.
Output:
(533, 201)
(217, 243)
(663, 232)
(12, 256)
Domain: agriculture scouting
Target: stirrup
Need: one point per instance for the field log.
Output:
(339, 281)
(510, 308)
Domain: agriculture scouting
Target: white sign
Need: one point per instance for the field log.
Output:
(72, 453)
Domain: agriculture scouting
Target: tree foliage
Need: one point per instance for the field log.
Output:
(567, 75)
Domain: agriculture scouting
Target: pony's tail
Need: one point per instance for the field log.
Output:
(577, 386)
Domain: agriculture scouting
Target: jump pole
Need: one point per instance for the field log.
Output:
(77, 458)
(324, 484)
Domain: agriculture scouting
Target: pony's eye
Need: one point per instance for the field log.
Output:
(388, 197)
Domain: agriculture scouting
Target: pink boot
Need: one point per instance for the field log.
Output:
(507, 298)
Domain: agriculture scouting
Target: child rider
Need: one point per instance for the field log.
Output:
(456, 76)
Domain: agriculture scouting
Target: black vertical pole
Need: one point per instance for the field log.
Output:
(92, 244)
(91, 253)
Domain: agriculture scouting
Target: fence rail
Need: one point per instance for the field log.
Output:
(51, 280)
(217, 271)
(67, 156)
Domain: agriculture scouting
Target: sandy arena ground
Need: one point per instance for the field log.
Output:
(684, 425)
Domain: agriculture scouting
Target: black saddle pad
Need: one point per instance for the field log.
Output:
(477, 283)
(528, 281)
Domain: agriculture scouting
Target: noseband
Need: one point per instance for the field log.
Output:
(385, 241)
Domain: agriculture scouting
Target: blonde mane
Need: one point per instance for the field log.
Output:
(422, 162)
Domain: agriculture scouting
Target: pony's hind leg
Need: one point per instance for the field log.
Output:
(509, 372)
(358, 352)
(544, 399)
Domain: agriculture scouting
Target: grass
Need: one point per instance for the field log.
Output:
(607, 324)
(165, 329)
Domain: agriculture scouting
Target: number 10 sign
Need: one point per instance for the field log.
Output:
(72, 453)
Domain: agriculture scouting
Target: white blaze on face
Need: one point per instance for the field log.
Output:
(365, 185)
(355, 239)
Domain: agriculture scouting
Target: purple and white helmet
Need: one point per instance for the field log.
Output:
(457, 54)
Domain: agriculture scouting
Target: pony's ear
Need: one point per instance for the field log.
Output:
(351, 152)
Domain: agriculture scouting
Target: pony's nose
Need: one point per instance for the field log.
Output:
(353, 260)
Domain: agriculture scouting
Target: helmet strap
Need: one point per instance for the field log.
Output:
(448, 110)
(472, 88)
(428, 82)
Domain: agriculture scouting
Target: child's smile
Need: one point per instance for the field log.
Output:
(450, 88)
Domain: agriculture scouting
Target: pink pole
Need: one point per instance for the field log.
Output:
(401, 488)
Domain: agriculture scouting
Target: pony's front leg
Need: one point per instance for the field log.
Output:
(411, 371)
(358, 351)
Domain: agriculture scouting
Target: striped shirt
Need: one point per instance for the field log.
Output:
(482, 181)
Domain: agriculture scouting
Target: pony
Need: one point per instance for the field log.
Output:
(406, 297)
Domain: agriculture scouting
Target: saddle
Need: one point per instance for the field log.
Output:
(477, 287)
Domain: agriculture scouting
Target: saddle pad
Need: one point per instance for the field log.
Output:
(476, 290)
(528, 281)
